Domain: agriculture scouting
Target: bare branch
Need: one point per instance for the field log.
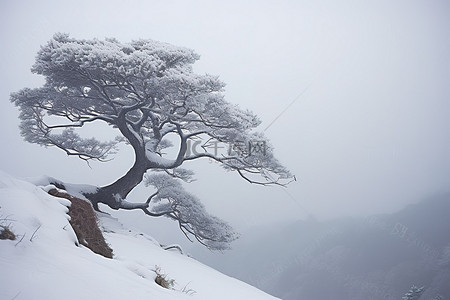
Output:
(82, 122)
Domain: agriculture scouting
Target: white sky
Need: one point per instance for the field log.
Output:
(369, 135)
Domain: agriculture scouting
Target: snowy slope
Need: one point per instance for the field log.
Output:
(44, 263)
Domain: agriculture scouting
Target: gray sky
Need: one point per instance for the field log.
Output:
(369, 135)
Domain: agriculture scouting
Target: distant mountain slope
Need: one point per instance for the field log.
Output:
(44, 263)
(378, 257)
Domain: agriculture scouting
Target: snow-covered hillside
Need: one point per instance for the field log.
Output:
(44, 263)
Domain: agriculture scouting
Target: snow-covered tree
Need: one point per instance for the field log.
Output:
(414, 293)
(147, 90)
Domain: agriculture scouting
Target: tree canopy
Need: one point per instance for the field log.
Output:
(148, 91)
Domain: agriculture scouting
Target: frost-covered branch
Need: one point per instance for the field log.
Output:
(147, 91)
(189, 213)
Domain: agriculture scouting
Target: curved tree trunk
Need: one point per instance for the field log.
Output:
(121, 187)
(118, 190)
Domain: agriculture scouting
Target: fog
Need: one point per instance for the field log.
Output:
(354, 96)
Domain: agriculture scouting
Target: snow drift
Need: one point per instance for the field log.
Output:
(43, 261)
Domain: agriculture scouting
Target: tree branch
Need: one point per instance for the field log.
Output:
(81, 123)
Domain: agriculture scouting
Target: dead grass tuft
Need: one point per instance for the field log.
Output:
(85, 224)
(5, 230)
(6, 233)
(162, 280)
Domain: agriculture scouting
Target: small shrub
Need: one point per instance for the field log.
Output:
(162, 279)
(5, 230)
(167, 283)
(6, 233)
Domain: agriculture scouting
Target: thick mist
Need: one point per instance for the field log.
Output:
(364, 86)
(353, 95)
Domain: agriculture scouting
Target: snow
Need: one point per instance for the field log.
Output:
(44, 262)
(159, 160)
(47, 183)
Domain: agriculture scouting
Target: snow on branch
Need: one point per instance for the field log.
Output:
(86, 149)
(190, 214)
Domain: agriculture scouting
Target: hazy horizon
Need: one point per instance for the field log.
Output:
(356, 96)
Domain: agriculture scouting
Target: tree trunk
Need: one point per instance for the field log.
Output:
(124, 185)
(120, 188)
